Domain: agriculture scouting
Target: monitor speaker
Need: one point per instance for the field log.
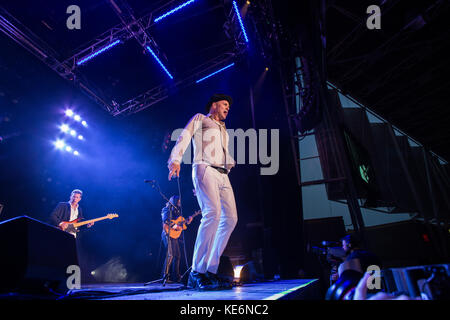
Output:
(36, 257)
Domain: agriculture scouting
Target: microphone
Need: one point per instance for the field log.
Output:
(149, 181)
(329, 243)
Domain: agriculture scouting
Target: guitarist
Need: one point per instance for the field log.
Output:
(172, 244)
(68, 211)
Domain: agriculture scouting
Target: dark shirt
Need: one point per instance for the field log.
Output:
(166, 211)
(62, 213)
(365, 257)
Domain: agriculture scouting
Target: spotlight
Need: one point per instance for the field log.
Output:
(80, 137)
(84, 123)
(69, 113)
(76, 153)
(267, 68)
(64, 128)
(73, 133)
(59, 144)
(77, 118)
(237, 272)
(248, 2)
(68, 148)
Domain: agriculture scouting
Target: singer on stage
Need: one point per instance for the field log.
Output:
(215, 196)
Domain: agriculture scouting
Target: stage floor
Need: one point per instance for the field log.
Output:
(298, 289)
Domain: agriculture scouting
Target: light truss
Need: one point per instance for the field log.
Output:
(130, 27)
(15, 30)
(173, 10)
(161, 92)
(96, 53)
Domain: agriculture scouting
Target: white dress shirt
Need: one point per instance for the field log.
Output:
(210, 142)
(73, 216)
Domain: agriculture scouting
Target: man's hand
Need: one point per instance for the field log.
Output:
(361, 292)
(189, 220)
(63, 225)
(174, 169)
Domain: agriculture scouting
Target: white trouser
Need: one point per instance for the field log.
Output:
(219, 217)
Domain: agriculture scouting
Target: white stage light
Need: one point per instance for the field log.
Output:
(59, 144)
(64, 128)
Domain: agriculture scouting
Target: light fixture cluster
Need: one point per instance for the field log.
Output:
(70, 130)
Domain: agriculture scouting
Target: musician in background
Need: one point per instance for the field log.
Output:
(357, 258)
(172, 245)
(68, 211)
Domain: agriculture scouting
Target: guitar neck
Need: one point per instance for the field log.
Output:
(196, 214)
(79, 224)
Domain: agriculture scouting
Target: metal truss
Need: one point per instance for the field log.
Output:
(129, 28)
(15, 30)
(237, 34)
(161, 92)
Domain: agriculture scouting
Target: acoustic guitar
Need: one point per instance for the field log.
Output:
(180, 223)
(74, 224)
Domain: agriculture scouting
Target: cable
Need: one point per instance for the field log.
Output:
(181, 212)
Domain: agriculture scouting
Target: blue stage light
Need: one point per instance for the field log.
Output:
(73, 133)
(80, 137)
(76, 153)
(68, 148)
(64, 128)
(59, 144)
(240, 20)
(159, 61)
(89, 57)
(228, 66)
(84, 123)
(173, 10)
(69, 113)
(77, 118)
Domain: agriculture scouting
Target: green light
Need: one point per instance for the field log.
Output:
(364, 172)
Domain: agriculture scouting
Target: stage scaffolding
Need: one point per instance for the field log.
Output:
(129, 28)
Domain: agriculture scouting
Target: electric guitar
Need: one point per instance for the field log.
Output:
(74, 224)
(181, 224)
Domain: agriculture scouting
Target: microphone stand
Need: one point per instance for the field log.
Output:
(169, 255)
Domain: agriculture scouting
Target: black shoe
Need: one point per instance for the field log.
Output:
(218, 282)
(199, 281)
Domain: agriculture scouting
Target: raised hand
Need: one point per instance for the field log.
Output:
(174, 169)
